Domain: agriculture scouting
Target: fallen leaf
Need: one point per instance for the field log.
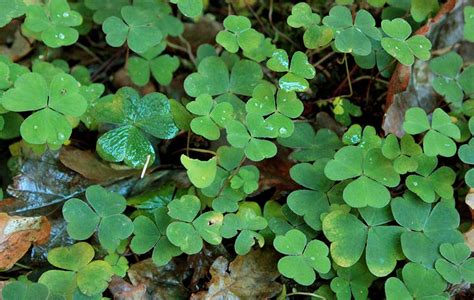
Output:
(17, 234)
(164, 282)
(43, 182)
(20, 47)
(122, 290)
(90, 167)
(251, 276)
(201, 262)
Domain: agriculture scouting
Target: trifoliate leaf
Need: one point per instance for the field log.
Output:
(413, 285)
(138, 26)
(201, 173)
(352, 36)
(53, 22)
(400, 45)
(105, 216)
(303, 258)
(428, 227)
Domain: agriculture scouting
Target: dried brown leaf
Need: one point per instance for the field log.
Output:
(17, 234)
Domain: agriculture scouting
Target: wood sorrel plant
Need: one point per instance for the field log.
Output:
(368, 208)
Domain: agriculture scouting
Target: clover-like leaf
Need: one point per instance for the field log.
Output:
(189, 8)
(349, 238)
(280, 110)
(105, 8)
(428, 227)
(103, 213)
(438, 139)
(211, 116)
(414, 285)
(352, 282)
(20, 290)
(310, 145)
(466, 154)
(402, 153)
(188, 232)
(11, 9)
(135, 117)
(246, 179)
(400, 45)
(250, 137)
(343, 110)
(421, 9)
(201, 173)
(303, 258)
(352, 36)
(428, 188)
(151, 234)
(91, 277)
(238, 34)
(450, 82)
(315, 35)
(51, 105)
(376, 173)
(312, 203)
(298, 70)
(213, 78)
(245, 224)
(152, 62)
(53, 22)
(137, 25)
(456, 265)
(118, 263)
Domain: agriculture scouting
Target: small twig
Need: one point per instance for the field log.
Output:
(259, 20)
(196, 150)
(148, 157)
(88, 51)
(368, 77)
(324, 58)
(270, 19)
(188, 49)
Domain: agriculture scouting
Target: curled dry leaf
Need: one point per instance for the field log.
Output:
(17, 234)
(251, 276)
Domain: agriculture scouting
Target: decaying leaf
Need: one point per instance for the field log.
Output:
(88, 165)
(251, 276)
(161, 282)
(17, 234)
(122, 290)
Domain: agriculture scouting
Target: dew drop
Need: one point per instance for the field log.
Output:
(65, 14)
(35, 127)
(415, 183)
(355, 139)
(385, 179)
(61, 36)
(61, 136)
(283, 130)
